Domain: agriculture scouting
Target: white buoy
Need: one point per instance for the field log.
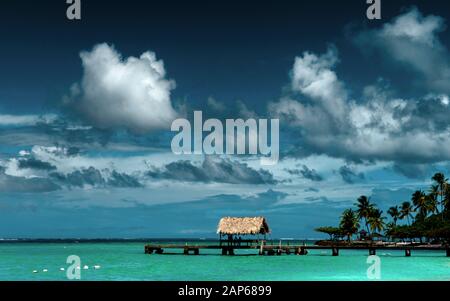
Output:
(86, 267)
(97, 267)
(61, 269)
(45, 270)
(78, 268)
(35, 271)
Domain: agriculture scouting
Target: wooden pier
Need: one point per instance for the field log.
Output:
(273, 249)
(231, 230)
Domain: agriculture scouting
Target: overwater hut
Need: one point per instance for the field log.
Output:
(235, 227)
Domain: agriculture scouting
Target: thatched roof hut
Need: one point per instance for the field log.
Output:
(243, 226)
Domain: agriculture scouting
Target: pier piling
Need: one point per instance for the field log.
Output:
(447, 252)
(228, 251)
(186, 250)
(408, 252)
(372, 251)
(335, 251)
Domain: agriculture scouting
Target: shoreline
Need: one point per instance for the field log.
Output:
(328, 243)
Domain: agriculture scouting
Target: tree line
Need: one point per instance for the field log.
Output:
(426, 217)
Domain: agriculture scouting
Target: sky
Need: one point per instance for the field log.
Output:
(86, 109)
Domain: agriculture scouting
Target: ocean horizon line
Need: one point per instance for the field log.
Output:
(188, 239)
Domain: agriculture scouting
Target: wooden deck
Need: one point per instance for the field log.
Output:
(272, 249)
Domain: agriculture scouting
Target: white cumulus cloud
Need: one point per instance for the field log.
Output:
(131, 93)
(416, 27)
(377, 127)
(413, 40)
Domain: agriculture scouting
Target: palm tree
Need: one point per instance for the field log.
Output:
(333, 232)
(419, 200)
(434, 192)
(376, 220)
(446, 201)
(432, 203)
(389, 230)
(406, 211)
(349, 223)
(364, 207)
(442, 182)
(394, 213)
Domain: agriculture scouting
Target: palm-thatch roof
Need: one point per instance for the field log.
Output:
(243, 226)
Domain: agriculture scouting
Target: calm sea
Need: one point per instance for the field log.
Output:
(127, 261)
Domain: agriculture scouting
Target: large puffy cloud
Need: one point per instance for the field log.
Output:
(131, 93)
(324, 109)
(211, 170)
(313, 76)
(415, 27)
(413, 40)
(379, 126)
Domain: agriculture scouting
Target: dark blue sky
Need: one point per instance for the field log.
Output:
(230, 50)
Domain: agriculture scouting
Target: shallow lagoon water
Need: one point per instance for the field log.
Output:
(127, 261)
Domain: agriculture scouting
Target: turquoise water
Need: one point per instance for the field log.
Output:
(127, 261)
